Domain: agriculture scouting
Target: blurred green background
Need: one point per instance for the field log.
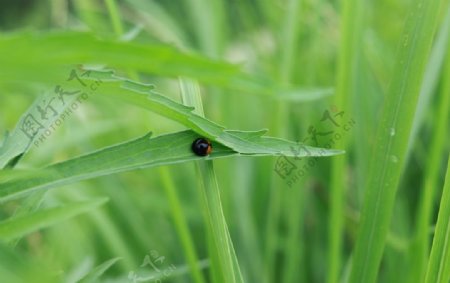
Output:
(293, 229)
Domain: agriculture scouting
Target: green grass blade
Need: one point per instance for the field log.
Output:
(419, 250)
(144, 96)
(97, 272)
(393, 134)
(115, 17)
(289, 54)
(30, 205)
(347, 76)
(431, 78)
(181, 226)
(15, 267)
(158, 21)
(56, 51)
(223, 250)
(217, 224)
(21, 226)
(141, 153)
(439, 265)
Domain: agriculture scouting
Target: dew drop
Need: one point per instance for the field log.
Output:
(394, 159)
(392, 132)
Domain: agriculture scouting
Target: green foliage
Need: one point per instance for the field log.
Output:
(341, 184)
(96, 273)
(439, 265)
(393, 136)
(20, 226)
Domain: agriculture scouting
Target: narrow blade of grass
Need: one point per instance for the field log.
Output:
(419, 250)
(21, 226)
(97, 272)
(393, 134)
(181, 225)
(212, 205)
(349, 53)
(439, 265)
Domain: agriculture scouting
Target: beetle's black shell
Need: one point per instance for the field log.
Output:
(201, 147)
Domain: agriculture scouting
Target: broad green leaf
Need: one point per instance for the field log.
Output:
(9, 174)
(59, 50)
(21, 226)
(393, 134)
(143, 152)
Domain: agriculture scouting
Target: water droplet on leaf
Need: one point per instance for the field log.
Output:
(392, 132)
(394, 159)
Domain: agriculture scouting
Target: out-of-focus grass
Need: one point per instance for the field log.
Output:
(439, 264)
(313, 229)
(392, 140)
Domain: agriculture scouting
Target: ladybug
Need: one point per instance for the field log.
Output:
(202, 147)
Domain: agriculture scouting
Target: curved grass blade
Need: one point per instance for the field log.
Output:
(97, 272)
(21, 226)
(157, 21)
(143, 95)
